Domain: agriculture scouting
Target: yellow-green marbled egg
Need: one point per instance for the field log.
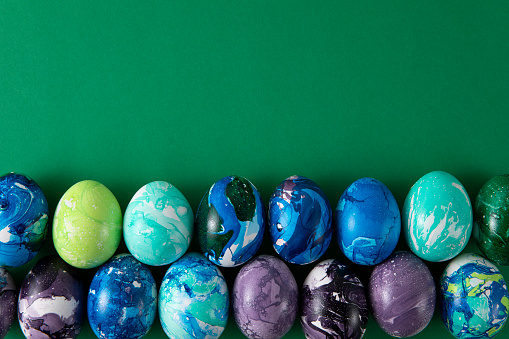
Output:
(87, 225)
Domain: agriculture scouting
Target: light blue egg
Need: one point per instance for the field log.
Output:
(368, 222)
(437, 217)
(193, 299)
(158, 224)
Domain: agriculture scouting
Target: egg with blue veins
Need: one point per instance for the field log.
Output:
(368, 222)
(300, 220)
(158, 224)
(122, 299)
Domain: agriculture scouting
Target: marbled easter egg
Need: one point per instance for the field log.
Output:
(51, 301)
(122, 299)
(158, 224)
(334, 303)
(23, 219)
(8, 301)
(265, 298)
(193, 299)
(402, 295)
(230, 222)
(437, 217)
(300, 220)
(473, 297)
(491, 219)
(368, 222)
(87, 225)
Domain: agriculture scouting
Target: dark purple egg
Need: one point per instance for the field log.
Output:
(265, 298)
(51, 301)
(402, 295)
(334, 302)
(8, 298)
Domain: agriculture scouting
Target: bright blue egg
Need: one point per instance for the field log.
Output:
(300, 220)
(23, 219)
(122, 299)
(368, 222)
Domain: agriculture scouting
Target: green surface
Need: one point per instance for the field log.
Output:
(188, 92)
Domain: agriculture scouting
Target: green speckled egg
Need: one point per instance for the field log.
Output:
(87, 225)
(491, 219)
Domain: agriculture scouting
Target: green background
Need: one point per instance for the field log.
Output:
(128, 92)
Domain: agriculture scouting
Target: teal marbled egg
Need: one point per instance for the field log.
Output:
(491, 219)
(437, 217)
(158, 224)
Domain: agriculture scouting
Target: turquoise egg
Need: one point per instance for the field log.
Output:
(193, 299)
(437, 217)
(158, 224)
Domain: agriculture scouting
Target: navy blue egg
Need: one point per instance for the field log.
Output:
(368, 222)
(122, 299)
(300, 219)
(23, 219)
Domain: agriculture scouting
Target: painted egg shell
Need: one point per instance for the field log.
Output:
(230, 222)
(8, 301)
(473, 297)
(193, 299)
(368, 222)
(122, 299)
(334, 302)
(51, 301)
(402, 295)
(437, 217)
(87, 226)
(158, 224)
(300, 219)
(23, 219)
(491, 219)
(265, 298)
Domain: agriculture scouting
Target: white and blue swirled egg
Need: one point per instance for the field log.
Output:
(300, 220)
(23, 219)
(158, 224)
(368, 222)
(193, 299)
(122, 299)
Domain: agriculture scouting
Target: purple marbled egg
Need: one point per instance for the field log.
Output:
(265, 298)
(402, 295)
(334, 302)
(8, 297)
(51, 301)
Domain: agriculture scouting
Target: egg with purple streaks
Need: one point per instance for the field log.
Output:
(265, 298)
(51, 301)
(8, 301)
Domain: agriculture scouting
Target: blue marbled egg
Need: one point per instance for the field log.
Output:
(230, 222)
(193, 299)
(23, 219)
(368, 222)
(300, 220)
(122, 299)
(158, 224)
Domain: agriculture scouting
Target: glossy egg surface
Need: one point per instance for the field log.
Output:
(473, 297)
(158, 224)
(491, 219)
(23, 219)
(437, 217)
(193, 299)
(122, 299)
(230, 222)
(368, 222)
(265, 298)
(8, 301)
(51, 301)
(334, 303)
(87, 225)
(300, 220)
(402, 295)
